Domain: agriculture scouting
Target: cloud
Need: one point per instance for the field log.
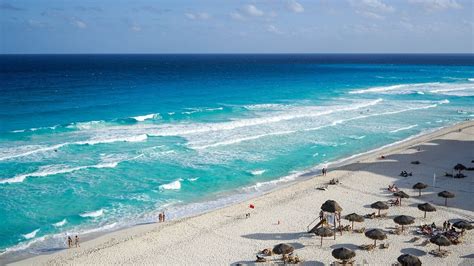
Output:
(273, 29)
(371, 8)
(87, 8)
(78, 23)
(152, 9)
(294, 6)
(369, 14)
(374, 5)
(7, 6)
(135, 28)
(252, 10)
(437, 5)
(32, 23)
(198, 16)
(237, 16)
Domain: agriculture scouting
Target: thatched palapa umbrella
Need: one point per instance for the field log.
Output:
(440, 240)
(463, 225)
(379, 205)
(283, 249)
(404, 220)
(332, 206)
(343, 254)
(426, 207)
(323, 232)
(354, 217)
(420, 186)
(446, 194)
(402, 195)
(409, 260)
(376, 234)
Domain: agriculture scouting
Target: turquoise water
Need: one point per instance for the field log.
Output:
(96, 143)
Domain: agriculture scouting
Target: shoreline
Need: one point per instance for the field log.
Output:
(118, 237)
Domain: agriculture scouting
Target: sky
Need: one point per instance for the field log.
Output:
(236, 26)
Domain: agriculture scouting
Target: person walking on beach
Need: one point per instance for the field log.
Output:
(69, 242)
(160, 217)
(76, 242)
(164, 217)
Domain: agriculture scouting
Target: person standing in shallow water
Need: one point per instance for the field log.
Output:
(69, 242)
(160, 217)
(164, 217)
(77, 242)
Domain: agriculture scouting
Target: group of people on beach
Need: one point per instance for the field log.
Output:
(324, 171)
(161, 217)
(70, 242)
(447, 226)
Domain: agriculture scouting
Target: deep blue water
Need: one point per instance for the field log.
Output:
(98, 142)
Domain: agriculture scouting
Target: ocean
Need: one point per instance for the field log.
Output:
(95, 143)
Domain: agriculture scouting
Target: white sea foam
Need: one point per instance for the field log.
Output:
(403, 128)
(257, 172)
(31, 235)
(21, 152)
(85, 125)
(451, 89)
(192, 179)
(60, 223)
(142, 118)
(471, 79)
(55, 170)
(356, 137)
(263, 186)
(175, 185)
(265, 106)
(286, 132)
(95, 141)
(92, 214)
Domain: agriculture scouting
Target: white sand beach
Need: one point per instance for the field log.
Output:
(225, 236)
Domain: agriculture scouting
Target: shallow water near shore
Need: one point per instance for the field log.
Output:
(94, 143)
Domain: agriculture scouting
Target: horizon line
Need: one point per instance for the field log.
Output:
(251, 53)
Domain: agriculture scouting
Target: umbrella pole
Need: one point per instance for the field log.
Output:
(402, 227)
(340, 222)
(352, 225)
(419, 195)
(445, 201)
(334, 226)
(425, 215)
(375, 242)
(379, 212)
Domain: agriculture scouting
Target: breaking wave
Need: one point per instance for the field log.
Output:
(175, 185)
(92, 214)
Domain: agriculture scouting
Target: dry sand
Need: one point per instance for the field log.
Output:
(225, 236)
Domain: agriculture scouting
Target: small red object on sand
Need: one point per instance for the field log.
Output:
(251, 206)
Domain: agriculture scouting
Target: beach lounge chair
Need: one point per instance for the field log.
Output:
(260, 258)
(323, 187)
(424, 243)
(440, 253)
(367, 247)
(370, 215)
(395, 202)
(338, 263)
